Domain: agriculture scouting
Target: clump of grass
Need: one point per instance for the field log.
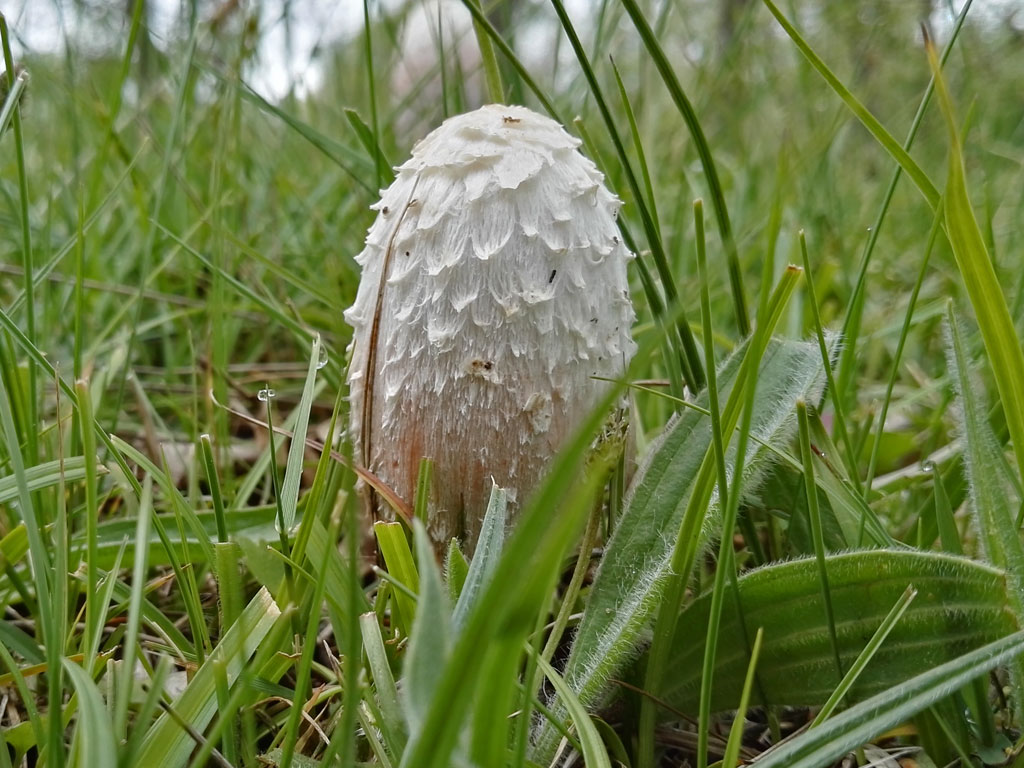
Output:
(821, 529)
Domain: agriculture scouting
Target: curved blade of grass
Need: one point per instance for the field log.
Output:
(178, 502)
(352, 162)
(961, 605)
(862, 660)
(862, 722)
(695, 375)
(297, 449)
(94, 733)
(707, 161)
(592, 748)
(851, 320)
(868, 120)
(16, 89)
(987, 299)
(38, 358)
(40, 562)
(166, 744)
(45, 475)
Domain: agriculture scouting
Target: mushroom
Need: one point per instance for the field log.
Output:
(493, 299)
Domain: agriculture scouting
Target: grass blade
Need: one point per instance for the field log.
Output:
(994, 319)
(297, 449)
(707, 161)
(94, 734)
(166, 744)
(860, 723)
(868, 120)
(732, 747)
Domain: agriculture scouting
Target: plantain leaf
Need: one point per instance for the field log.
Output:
(961, 605)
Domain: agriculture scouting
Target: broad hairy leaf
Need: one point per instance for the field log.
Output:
(961, 605)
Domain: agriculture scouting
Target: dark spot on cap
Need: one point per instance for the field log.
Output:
(552, 278)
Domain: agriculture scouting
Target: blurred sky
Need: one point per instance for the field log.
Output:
(42, 26)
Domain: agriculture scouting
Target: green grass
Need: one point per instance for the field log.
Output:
(822, 528)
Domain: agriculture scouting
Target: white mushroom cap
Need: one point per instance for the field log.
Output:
(504, 293)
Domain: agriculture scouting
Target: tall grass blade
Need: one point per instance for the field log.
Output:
(94, 734)
(41, 568)
(855, 307)
(987, 299)
(707, 161)
(732, 747)
(862, 660)
(692, 367)
(486, 556)
(297, 449)
(814, 513)
(862, 113)
(591, 747)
